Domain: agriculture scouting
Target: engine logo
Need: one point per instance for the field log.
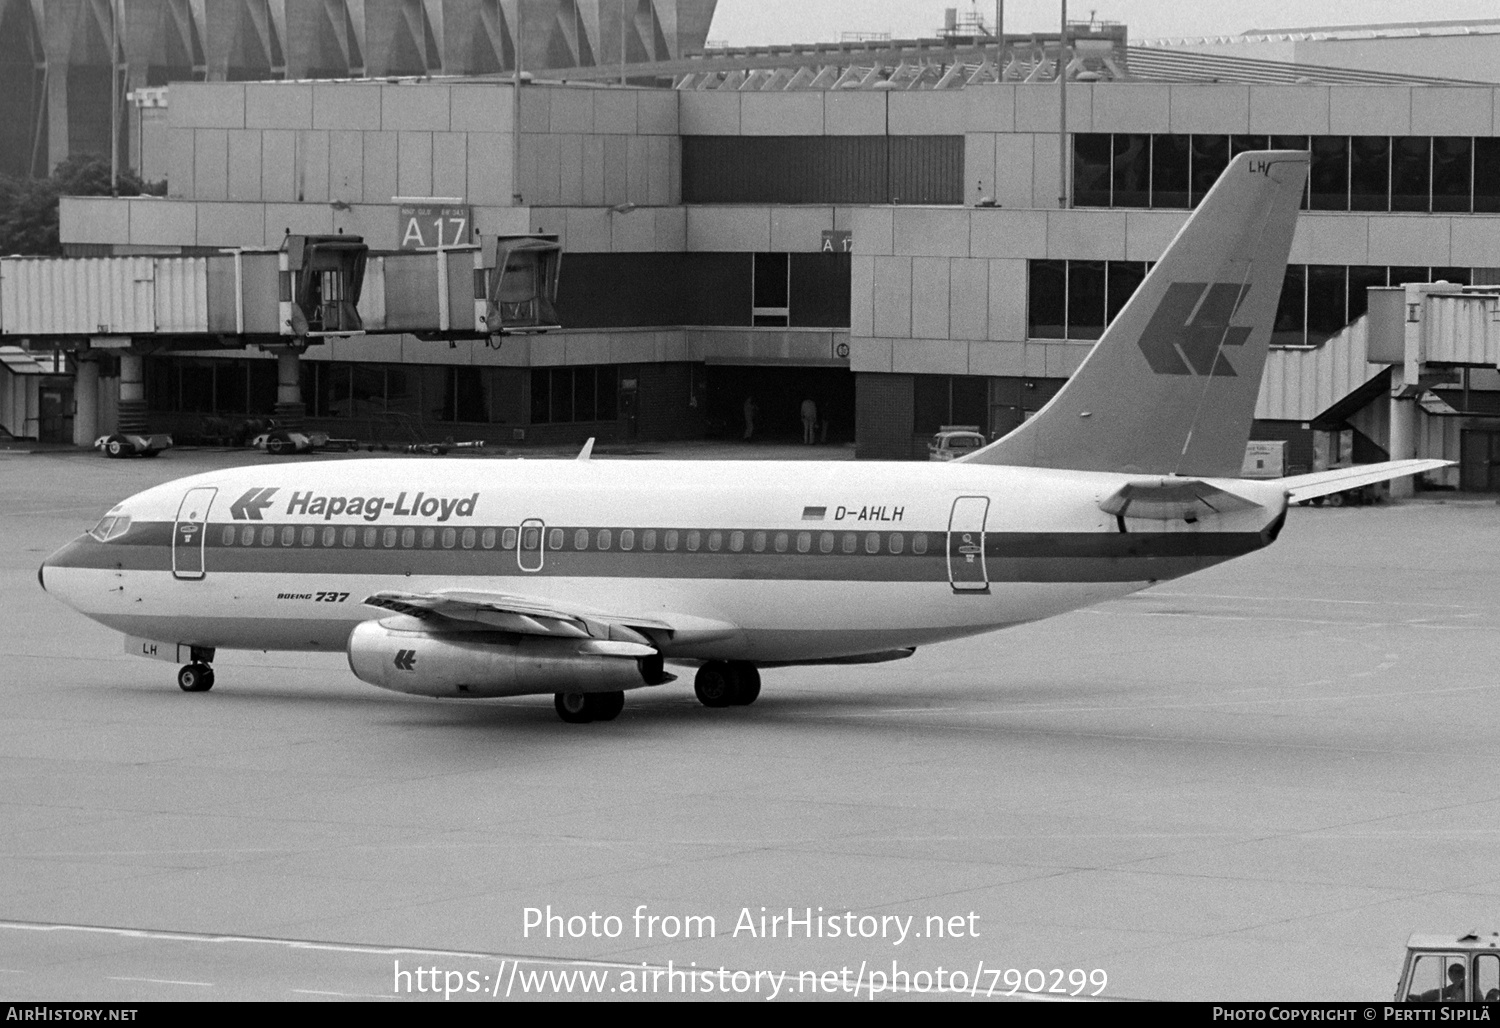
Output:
(406, 660)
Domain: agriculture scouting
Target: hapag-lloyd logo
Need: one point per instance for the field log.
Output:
(251, 506)
(1190, 328)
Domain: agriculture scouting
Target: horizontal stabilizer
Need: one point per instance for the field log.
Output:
(1172, 499)
(1321, 483)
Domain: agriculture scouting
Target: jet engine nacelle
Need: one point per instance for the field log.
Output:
(486, 664)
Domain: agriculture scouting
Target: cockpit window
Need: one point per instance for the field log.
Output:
(111, 526)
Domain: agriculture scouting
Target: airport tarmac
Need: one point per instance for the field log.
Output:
(1253, 783)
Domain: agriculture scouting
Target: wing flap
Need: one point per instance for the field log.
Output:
(532, 616)
(1321, 483)
(1172, 499)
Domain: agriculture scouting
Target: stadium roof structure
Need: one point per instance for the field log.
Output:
(1099, 55)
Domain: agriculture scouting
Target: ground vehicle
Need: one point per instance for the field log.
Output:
(126, 445)
(1448, 969)
(954, 441)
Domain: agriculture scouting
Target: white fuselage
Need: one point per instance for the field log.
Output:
(755, 561)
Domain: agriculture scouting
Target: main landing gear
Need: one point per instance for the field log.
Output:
(727, 683)
(195, 678)
(578, 708)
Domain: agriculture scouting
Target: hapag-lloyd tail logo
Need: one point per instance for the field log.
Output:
(1190, 328)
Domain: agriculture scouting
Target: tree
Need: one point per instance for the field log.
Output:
(28, 207)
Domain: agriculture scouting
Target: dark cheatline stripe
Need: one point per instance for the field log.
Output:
(1009, 556)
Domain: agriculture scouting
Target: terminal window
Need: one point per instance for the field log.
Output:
(1439, 174)
(1077, 299)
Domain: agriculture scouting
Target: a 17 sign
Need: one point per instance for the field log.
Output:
(429, 226)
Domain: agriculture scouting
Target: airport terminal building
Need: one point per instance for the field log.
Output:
(907, 243)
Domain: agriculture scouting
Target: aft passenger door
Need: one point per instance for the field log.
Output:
(966, 569)
(189, 531)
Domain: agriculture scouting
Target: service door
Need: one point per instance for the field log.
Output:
(189, 533)
(529, 543)
(966, 570)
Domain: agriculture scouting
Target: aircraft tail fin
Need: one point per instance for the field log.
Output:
(1171, 387)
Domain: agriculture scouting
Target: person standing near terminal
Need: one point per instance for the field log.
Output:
(750, 411)
(809, 421)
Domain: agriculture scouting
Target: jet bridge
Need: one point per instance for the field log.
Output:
(284, 299)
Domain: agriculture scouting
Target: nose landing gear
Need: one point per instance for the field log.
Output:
(195, 678)
(727, 683)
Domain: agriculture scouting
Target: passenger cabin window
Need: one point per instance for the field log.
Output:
(388, 538)
(247, 536)
(872, 542)
(267, 536)
(758, 542)
(487, 539)
(627, 539)
(409, 538)
(508, 539)
(919, 542)
(715, 541)
(450, 536)
(468, 539)
(606, 538)
(850, 542)
(648, 539)
(896, 542)
(781, 541)
(228, 538)
(804, 542)
(581, 539)
(429, 536)
(555, 539)
(825, 542)
(694, 540)
(329, 534)
(288, 535)
(671, 539)
(369, 538)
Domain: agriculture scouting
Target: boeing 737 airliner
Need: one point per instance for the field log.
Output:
(583, 578)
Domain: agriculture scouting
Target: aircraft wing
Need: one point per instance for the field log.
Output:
(533, 616)
(1172, 499)
(1321, 483)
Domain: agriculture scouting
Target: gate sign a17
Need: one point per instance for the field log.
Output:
(428, 226)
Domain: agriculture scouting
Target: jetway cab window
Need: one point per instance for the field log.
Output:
(1438, 174)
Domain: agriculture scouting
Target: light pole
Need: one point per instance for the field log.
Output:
(1062, 110)
(114, 99)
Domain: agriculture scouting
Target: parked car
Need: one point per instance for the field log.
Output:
(954, 441)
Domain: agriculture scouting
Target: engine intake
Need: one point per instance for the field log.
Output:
(487, 664)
